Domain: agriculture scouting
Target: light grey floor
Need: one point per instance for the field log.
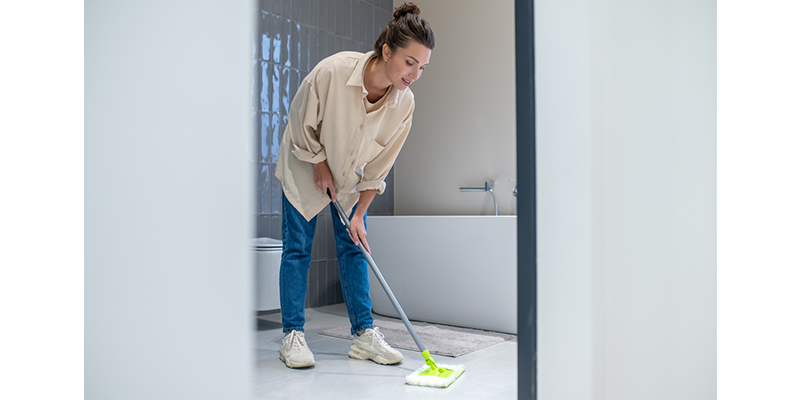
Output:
(491, 372)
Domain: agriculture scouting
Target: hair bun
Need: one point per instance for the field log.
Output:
(406, 8)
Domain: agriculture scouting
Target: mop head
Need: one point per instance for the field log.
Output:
(433, 375)
(425, 376)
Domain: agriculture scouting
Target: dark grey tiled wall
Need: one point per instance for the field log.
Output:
(293, 36)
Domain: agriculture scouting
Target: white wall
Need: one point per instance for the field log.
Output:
(168, 302)
(464, 129)
(654, 198)
(626, 188)
(564, 199)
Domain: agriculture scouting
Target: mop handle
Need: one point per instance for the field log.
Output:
(377, 272)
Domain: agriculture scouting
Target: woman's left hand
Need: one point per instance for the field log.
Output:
(358, 232)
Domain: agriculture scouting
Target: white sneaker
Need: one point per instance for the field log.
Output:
(371, 346)
(294, 351)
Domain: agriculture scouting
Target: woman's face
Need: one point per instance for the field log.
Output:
(405, 65)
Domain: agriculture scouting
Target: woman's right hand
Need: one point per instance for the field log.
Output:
(323, 179)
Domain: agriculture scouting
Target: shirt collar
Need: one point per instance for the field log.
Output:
(357, 79)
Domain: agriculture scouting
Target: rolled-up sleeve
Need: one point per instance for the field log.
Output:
(304, 122)
(375, 171)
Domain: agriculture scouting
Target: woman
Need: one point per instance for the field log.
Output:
(347, 123)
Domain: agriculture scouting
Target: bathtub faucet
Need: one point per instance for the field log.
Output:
(487, 187)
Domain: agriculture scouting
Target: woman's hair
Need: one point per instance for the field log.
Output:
(405, 26)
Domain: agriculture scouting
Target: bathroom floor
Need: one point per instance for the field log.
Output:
(491, 372)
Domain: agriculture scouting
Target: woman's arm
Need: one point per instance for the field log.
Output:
(358, 232)
(304, 120)
(323, 179)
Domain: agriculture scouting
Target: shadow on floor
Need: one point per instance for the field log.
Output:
(263, 325)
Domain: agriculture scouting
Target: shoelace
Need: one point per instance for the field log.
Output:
(378, 335)
(296, 341)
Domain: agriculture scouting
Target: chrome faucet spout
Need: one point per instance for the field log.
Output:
(487, 187)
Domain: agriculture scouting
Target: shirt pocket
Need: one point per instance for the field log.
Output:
(372, 151)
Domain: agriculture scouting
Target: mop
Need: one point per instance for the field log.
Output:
(430, 374)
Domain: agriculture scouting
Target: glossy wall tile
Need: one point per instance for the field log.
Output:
(292, 37)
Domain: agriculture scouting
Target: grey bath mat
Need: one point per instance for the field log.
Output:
(440, 339)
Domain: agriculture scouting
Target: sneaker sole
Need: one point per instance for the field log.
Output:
(290, 364)
(360, 354)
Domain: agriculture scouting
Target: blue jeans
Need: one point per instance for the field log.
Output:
(298, 235)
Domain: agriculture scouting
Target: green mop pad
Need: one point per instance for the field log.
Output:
(433, 375)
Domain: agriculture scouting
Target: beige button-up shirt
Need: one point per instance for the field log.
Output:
(328, 120)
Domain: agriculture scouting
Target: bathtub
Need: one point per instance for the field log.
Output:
(452, 270)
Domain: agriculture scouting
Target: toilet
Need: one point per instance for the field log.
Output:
(268, 263)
